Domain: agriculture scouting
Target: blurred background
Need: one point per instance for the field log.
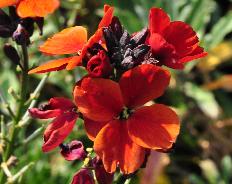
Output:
(201, 93)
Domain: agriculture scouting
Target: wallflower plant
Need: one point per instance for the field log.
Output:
(124, 72)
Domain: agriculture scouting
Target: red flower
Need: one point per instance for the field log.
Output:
(73, 151)
(84, 176)
(65, 118)
(71, 41)
(32, 8)
(173, 43)
(99, 65)
(119, 125)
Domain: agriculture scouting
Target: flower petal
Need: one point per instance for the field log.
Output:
(61, 103)
(68, 41)
(158, 20)
(41, 114)
(92, 128)
(4, 3)
(154, 127)
(114, 146)
(108, 15)
(142, 84)
(83, 176)
(182, 37)
(73, 151)
(196, 54)
(58, 130)
(98, 99)
(36, 8)
(54, 65)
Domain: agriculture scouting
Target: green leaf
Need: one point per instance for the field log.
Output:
(204, 99)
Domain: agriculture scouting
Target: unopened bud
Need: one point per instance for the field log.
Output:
(5, 32)
(21, 36)
(11, 53)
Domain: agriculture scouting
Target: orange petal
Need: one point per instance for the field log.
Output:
(92, 40)
(154, 127)
(4, 3)
(108, 15)
(54, 65)
(98, 99)
(114, 146)
(68, 41)
(142, 84)
(36, 8)
(93, 127)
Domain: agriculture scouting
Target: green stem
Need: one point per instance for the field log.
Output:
(23, 92)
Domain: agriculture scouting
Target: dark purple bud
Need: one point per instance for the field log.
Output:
(124, 39)
(116, 27)
(83, 176)
(13, 14)
(40, 23)
(140, 51)
(139, 38)
(28, 25)
(4, 18)
(21, 36)
(73, 151)
(110, 38)
(102, 176)
(5, 32)
(11, 53)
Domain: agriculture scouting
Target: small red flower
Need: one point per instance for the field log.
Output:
(73, 151)
(32, 8)
(84, 176)
(99, 65)
(173, 43)
(118, 123)
(71, 41)
(62, 110)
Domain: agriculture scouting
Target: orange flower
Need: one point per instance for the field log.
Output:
(32, 8)
(71, 41)
(121, 128)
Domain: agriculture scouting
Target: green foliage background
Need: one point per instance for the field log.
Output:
(203, 151)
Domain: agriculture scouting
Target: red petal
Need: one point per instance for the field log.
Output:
(158, 20)
(98, 99)
(108, 15)
(58, 130)
(83, 176)
(4, 3)
(61, 103)
(154, 127)
(142, 84)
(93, 127)
(182, 37)
(68, 41)
(41, 114)
(55, 65)
(114, 146)
(36, 8)
(196, 54)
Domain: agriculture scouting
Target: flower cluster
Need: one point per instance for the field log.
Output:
(125, 71)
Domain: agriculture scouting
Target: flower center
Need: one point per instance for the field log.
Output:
(125, 114)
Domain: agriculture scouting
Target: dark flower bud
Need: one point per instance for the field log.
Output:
(5, 32)
(124, 39)
(11, 53)
(21, 36)
(110, 38)
(83, 176)
(102, 176)
(40, 23)
(99, 65)
(140, 51)
(28, 25)
(139, 38)
(73, 151)
(116, 27)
